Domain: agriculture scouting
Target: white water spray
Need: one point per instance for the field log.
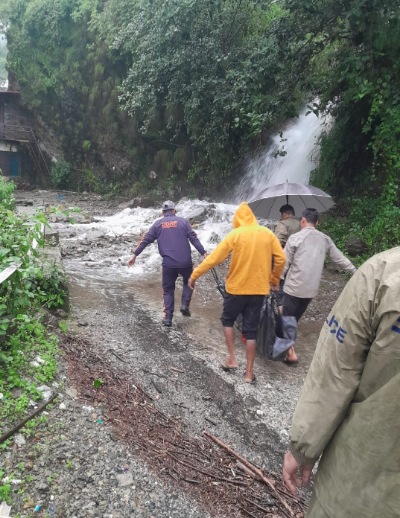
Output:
(291, 157)
(213, 221)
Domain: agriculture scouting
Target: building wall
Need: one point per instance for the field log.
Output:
(15, 137)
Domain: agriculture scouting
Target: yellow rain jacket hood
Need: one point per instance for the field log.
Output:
(253, 250)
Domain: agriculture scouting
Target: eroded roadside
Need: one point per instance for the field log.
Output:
(78, 463)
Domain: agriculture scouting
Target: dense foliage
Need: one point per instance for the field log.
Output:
(197, 78)
(350, 54)
(203, 76)
(184, 88)
(27, 351)
(350, 51)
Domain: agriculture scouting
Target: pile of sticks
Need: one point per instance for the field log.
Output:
(220, 479)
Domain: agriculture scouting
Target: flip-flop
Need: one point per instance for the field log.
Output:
(228, 368)
(291, 363)
(253, 381)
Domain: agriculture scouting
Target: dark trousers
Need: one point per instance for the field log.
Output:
(294, 306)
(169, 276)
(249, 306)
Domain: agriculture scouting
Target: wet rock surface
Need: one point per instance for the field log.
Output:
(76, 464)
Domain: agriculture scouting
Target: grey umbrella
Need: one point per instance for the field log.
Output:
(298, 195)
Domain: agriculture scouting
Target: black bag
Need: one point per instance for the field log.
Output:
(276, 333)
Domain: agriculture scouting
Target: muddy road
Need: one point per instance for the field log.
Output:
(115, 316)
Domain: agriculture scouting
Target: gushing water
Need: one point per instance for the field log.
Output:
(289, 158)
(292, 156)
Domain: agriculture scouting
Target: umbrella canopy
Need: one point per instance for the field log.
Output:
(298, 195)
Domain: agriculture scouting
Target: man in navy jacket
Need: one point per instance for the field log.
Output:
(173, 235)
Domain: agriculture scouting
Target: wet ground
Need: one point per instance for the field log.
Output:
(119, 313)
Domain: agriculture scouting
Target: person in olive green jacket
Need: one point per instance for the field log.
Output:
(349, 407)
(288, 224)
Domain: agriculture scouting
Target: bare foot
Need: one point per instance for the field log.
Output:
(231, 363)
(291, 355)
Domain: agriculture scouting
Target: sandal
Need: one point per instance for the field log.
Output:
(228, 368)
(291, 363)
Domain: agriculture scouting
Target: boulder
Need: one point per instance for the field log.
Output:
(197, 215)
(144, 202)
(355, 246)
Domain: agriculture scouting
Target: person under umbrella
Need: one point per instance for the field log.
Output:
(288, 224)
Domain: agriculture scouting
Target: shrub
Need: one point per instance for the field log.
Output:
(61, 174)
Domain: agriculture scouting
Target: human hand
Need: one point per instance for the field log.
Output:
(191, 283)
(132, 260)
(205, 255)
(274, 287)
(295, 475)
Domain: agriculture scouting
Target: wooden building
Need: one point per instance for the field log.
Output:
(21, 157)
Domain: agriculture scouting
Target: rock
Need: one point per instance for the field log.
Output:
(62, 406)
(52, 237)
(355, 246)
(4, 510)
(214, 238)
(143, 202)
(94, 234)
(125, 479)
(125, 205)
(198, 215)
(42, 487)
(24, 203)
(71, 392)
(20, 441)
(60, 313)
(46, 391)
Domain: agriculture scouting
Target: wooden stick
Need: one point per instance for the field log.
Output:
(248, 471)
(268, 482)
(22, 423)
(176, 370)
(207, 473)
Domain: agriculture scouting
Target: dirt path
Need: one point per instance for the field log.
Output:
(119, 322)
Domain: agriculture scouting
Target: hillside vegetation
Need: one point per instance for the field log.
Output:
(185, 88)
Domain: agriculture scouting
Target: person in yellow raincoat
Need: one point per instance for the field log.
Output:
(257, 262)
(349, 407)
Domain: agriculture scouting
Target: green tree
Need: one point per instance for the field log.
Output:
(346, 54)
(202, 73)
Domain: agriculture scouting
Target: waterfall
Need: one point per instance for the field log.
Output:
(292, 155)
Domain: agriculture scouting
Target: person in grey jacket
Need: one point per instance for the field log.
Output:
(349, 407)
(305, 256)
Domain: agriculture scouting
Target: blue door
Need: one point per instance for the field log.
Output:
(14, 164)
